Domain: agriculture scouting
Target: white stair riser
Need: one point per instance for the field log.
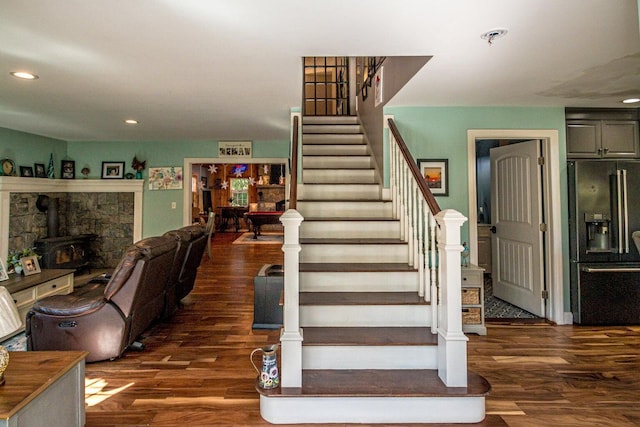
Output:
(350, 209)
(336, 162)
(370, 357)
(321, 120)
(350, 229)
(338, 192)
(386, 410)
(356, 138)
(334, 150)
(364, 253)
(339, 176)
(331, 128)
(365, 315)
(395, 281)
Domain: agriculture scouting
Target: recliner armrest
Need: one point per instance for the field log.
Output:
(72, 304)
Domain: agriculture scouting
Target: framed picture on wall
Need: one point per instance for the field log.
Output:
(436, 173)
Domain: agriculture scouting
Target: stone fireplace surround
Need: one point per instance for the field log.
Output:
(112, 209)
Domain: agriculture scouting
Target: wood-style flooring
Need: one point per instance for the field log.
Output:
(195, 370)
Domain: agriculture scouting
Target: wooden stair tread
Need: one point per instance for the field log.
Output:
(310, 267)
(379, 383)
(369, 336)
(360, 298)
(352, 241)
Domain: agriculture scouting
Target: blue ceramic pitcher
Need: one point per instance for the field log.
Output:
(269, 375)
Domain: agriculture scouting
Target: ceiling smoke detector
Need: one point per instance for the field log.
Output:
(492, 35)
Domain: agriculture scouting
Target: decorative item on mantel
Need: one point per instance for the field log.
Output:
(85, 172)
(138, 166)
(50, 170)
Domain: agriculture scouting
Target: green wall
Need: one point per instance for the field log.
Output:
(430, 132)
(25, 149)
(441, 132)
(158, 216)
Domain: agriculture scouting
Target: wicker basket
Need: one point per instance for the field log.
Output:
(471, 316)
(470, 296)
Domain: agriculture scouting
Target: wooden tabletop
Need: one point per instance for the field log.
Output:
(31, 372)
(18, 282)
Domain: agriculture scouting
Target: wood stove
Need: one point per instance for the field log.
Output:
(65, 252)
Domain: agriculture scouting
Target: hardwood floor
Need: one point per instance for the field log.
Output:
(195, 370)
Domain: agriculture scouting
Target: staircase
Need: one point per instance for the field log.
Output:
(368, 353)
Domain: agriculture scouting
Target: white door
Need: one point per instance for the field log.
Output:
(516, 215)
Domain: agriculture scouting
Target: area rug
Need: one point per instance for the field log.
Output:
(16, 343)
(264, 237)
(495, 308)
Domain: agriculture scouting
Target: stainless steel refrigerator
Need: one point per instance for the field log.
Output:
(604, 213)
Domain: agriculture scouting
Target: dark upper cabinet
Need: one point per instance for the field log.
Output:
(602, 139)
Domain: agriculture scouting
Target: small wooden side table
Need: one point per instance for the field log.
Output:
(43, 388)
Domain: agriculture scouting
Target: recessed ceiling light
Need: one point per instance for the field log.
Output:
(630, 100)
(131, 121)
(24, 75)
(492, 35)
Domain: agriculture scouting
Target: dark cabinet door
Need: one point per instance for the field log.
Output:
(597, 139)
(584, 138)
(620, 138)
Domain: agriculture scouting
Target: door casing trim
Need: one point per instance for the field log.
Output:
(552, 207)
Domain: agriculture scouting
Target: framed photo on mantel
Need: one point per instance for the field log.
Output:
(112, 170)
(68, 169)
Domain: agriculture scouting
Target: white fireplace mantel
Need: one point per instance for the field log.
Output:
(13, 184)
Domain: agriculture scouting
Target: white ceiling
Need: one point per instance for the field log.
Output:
(231, 69)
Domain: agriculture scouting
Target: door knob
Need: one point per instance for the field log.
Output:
(493, 229)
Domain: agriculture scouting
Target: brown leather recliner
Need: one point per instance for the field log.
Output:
(105, 320)
(193, 242)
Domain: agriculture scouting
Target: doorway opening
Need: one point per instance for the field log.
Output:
(550, 199)
(237, 184)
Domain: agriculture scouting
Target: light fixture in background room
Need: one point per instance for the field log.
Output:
(24, 75)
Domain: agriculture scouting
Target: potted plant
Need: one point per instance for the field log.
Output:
(138, 166)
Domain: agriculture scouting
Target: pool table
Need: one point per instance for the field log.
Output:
(258, 219)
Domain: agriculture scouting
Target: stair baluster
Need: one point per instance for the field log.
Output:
(380, 308)
(445, 238)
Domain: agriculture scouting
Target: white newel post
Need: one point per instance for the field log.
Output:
(452, 342)
(291, 335)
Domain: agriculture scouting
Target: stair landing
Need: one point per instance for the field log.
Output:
(375, 396)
